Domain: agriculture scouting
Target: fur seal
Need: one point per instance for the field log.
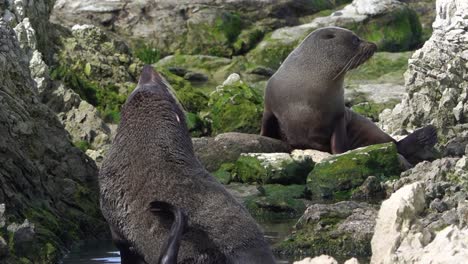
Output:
(304, 99)
(152, 160)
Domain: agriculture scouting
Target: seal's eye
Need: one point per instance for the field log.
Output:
(356, 40)
(328, 36)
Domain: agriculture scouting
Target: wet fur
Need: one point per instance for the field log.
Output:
(152, 159)
(304, 99)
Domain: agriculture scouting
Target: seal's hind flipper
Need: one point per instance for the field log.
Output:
(170, 249)
(416, 146)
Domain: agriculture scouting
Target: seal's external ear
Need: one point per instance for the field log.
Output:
(170, 250)
(149, 75)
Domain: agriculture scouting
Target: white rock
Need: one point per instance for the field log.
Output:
(395, 218)
(232, 79)
(439, 67)
(323, 259)
(316, 156)
(449, 246)
(352, 261)
(272, 160)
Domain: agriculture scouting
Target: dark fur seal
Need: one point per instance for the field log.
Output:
(152, 160)
(304, 99)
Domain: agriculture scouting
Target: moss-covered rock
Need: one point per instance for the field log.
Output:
(343, 230)
(274, 49)
(398, 30)
(235, 107)
(269, 168)
(372, 110)
(215, 68)
(227, 148)
(338, 177)
(101, 70)
(277, 202)
(395, 28)
(223, 174)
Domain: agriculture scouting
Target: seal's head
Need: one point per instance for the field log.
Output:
(155, 111)
(336, 50)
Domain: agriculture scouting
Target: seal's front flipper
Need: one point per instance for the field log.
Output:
(170, 249)
(339, 142)
(417, 146)
(270, 126)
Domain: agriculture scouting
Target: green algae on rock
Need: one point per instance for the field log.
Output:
(277, 201)
(267, 168)
(339, 176)
(398, 30)
(235, 107)
(101, 70)
(342, 229)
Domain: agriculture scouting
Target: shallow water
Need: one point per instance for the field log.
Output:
(100, 252)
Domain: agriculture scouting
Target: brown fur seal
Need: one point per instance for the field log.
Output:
(304, 99)
(152, 162)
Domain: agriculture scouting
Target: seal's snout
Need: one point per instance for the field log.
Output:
(149, 75)
(372, 46)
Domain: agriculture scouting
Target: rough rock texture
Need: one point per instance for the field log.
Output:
(325, 259)
(343, 229)
(43, 178)
(391, 24)
(269, 168)
(275, 202)
(222, 27)
(31, 23)
(235, 107)
(312, 154)
(36, 35)
(425, 218)
(340, 175)
(212, 152)
(99, 68)
(436, 79)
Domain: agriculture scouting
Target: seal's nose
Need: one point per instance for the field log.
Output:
(149, 75)
(373, 46)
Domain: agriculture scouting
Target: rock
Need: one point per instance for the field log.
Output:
(275, 201)
(3, 248)
(352, 261)
(264, 71)
(456, 146)
(37, 159)
(267, 168)
(436, 78)
(211, 68)
(23, 237)
(191, 27)
(232, 79)
(2, 215)
(322, 259)
(339, 176)
(315, 155)
(105, 78)
(224, 148)
(371, 189)
(344, 229)
(242, 191)
(395, 217)
(195, 77)
(80, 118)
(31, 22)
(449, 246)
(235, 108)
(362, 16)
